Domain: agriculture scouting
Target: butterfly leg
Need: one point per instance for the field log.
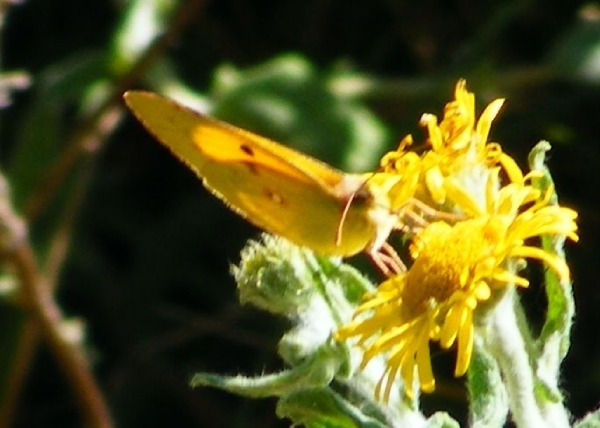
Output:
(427, 211)
(387, 260)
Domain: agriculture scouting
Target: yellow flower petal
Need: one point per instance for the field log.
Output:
(485, 121)
(425, 371)
(460, 262)
(453, 321)
(465, 344)
(552, 261)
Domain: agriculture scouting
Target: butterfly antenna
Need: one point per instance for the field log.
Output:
(338, 234)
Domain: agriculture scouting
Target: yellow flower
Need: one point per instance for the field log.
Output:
(456, 267)
(407, 166)
(459, 149)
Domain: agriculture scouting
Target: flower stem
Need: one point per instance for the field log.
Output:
(506, 343)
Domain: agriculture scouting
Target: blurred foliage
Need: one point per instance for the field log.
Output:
(141, 252)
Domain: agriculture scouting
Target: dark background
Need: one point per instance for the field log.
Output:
(147, 267)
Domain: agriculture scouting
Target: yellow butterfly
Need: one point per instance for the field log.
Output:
(274, 187)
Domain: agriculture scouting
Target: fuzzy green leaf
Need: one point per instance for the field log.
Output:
(323, 408)
(488, 403)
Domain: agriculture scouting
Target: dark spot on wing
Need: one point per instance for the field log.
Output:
(252, 168)
(247, 149)
(275, 197)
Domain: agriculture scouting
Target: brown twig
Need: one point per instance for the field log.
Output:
(77, 143)
(25, 348)
(69, 354)
(59, 245)
(38, 288)
(29, 337)
(39, 303)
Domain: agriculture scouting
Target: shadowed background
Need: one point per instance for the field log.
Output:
(145, 267)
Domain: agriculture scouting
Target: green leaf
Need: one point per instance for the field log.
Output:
(591, 420)
(561, 306)
(317, 371)
(142, 22)
(41, 132)
(316, 293)
(576, 52)
(488, 402)
(323, 408)
(288, 100)
(312, 292)
(443, 420)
